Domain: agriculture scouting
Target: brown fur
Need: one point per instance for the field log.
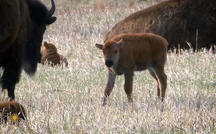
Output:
(9, 108)
(99, 5)
(50, 55)
(126, 53)
(179, 21)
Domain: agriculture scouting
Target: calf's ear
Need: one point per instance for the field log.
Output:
(121, 43)
(46, 44)
(99, 46)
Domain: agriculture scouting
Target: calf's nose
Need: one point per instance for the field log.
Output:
(108, 63)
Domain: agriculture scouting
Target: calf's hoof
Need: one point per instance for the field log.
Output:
(104, 102)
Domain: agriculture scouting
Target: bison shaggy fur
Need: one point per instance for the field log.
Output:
(22, 25)
(179, 21)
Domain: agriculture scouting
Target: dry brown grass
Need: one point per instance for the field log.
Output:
(69, 100)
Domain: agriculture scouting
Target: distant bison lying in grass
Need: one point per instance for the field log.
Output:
(126, 53)
(179, 21)
(11, 111)
(50, 56)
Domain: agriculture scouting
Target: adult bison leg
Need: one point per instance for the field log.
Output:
(12, 71)
(10, 78)
(109, 86)
(128, 85)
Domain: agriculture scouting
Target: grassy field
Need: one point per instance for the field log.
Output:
(68, 100)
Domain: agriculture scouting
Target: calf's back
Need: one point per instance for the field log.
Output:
(141, 50)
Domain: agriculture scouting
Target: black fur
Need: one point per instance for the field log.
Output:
(21, 39)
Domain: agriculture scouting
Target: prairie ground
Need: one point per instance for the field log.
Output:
(68, 100)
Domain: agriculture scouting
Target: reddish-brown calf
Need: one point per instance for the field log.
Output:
(50, 55)
(126, 53)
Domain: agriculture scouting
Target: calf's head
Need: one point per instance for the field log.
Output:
(40, 17)
(111, 52)
(48, 48)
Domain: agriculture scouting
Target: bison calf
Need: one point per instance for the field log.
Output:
(50, 55)
(11, 111)
(126, 53)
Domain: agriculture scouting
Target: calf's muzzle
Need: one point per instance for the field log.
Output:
(108, 62)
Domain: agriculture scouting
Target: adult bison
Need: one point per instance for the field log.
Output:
(179, 21)
(22, 25)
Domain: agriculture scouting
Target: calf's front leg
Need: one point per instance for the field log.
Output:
(109, 86)
(128, 85)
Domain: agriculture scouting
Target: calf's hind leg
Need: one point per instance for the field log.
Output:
(155, 77)
(161, 76)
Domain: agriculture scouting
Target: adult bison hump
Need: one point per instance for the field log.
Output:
(179, 21)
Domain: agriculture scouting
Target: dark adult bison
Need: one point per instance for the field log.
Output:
(179, 21)
(22, 25)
